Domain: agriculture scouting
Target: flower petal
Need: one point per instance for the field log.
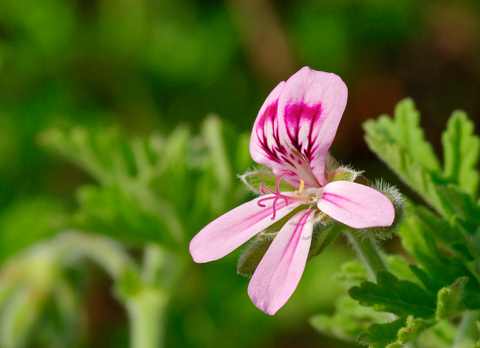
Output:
(310, 107)
(356, 205)
(280, 270)
(229, 231)
(266, 147)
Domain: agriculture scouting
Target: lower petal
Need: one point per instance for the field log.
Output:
(231, 230)
(280, 270)
(356, 205)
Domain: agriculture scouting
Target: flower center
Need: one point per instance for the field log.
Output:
(309, 196)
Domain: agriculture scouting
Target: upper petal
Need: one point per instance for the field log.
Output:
(280, 270)
(266, 147)
(229, 231)
(356, 205)
(310, 107)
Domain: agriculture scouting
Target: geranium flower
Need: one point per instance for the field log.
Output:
(292, 134)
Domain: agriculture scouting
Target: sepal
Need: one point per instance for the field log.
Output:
(323, 236)
(256, 178)
(344, 174)
(253, 254)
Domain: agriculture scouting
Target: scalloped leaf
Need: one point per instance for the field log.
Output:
(461, 148)
(349, 320)
(438, 269)
(395, 334)
(450, 299)
(404, 161)
(400, 297)
(380, 335)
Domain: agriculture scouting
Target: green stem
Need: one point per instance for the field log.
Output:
(146, 312)
(467, 335)
(368, 252)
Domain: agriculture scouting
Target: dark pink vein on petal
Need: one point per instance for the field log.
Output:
(300, 114)
(296, 237)
(270, 116)
(340, 198)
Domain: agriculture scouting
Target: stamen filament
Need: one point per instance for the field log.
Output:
(276, 193)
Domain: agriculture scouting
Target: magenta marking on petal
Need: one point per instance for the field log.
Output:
(282, 266)
(297, 115)
(356, 205)
(269, 117)
(297, 236)
(342, 198)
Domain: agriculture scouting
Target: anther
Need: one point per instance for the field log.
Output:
(302, 185)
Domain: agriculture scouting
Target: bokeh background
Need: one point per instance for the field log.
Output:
(147, 66)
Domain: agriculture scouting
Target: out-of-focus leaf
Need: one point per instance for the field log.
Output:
(464, 208)
(25, 222)
(461, 153)
(349, 320)
(405, 131)
(352, 271)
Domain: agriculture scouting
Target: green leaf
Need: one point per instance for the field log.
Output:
(412, 329)
(411, 172)
(461, 150)
(254, 179)
(400, 297)
(401, 145)
(323, 237)
(380, 335)
(349, 321)
(399, 267)
(352, 271)
(425, 279)
(450, 299)
(399, 332)
(444, 233)
(463, 207)
(405, 130)
(418, 239)
(396, 333)
(25, 222)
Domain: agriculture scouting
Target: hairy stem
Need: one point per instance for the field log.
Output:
(367, 251)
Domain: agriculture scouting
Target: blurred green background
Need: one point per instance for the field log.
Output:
(149, 66)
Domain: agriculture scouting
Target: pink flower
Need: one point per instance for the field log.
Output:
(291, 135)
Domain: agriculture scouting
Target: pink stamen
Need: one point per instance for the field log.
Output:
(277, 194)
